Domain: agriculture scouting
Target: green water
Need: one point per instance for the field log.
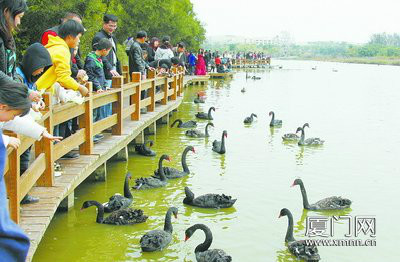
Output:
(355, 110)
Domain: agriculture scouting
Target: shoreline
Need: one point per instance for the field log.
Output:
(351, 60)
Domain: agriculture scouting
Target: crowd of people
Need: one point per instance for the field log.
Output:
(55, 65)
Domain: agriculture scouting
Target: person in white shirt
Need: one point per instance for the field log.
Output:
(164, 51)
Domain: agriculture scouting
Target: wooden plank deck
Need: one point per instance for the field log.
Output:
(196, 80)
(35, 218)
(221, 75)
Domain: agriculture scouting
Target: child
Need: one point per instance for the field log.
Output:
(59, 49)
(35, 61)
(95, 70)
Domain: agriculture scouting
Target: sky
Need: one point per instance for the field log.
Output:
(352, 21)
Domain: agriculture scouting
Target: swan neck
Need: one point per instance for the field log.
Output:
(223, 142)
(289, 233)
(183, 160)
(189, 196)
(127, 192)
(207, 126)
(302, 136)
(161, 169)
(209, 113)
(100, 212)
(207, 242)
(306, 205)
(167, 224)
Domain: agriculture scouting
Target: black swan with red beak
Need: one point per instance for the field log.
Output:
(299, 248)
(219, 146)
(329, 203)
(152, 182)
(202, 251)
(172, 173)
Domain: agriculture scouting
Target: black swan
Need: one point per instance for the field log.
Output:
(187, 124)
(143, 150)
(202, 251)
(152, 182)
(292, 137)
(158, 239)
(171, 173)
(299, 248)
(197, 133)
(207, 116)
(219, 146)
(199, 99)
(243, 90)
(208, 200)
(274, 122)
(249, 119)
(313, 141)
(256, 78)
(127, 216)
(329, 203)
(118, 201)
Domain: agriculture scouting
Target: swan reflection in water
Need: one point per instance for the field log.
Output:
(222, 214)
(301, 224)
(284, 255)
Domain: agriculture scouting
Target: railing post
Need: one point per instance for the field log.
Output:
(152, 90)
(86, 121)
(174, 83)
(135, 98)
(117, 106)
(125, 74)
(12, 183)
(164, 101)
(182, 73)
(46, 146)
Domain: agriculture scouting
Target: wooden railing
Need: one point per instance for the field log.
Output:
(124, 88)
(250, 62)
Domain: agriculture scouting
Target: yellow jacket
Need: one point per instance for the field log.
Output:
(60, 71)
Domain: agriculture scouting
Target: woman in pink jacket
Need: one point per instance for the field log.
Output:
(201, 64)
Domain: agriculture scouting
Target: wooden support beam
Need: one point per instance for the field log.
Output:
(67, 203)
(100, 174)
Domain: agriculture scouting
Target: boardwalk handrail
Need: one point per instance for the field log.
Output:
(41, 170)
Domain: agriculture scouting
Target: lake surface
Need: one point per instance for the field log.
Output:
(356, 110)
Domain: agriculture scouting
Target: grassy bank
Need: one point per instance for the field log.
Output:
(355, 60)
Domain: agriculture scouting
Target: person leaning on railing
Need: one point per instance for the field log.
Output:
(58, 76)
(95, 69)
(14, 102)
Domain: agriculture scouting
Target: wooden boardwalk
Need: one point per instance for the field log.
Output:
(126, 123)
(35, 218)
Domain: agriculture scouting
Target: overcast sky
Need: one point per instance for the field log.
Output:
(306, 20)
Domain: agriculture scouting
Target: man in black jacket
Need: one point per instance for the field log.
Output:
(136, 61)
(111, 63)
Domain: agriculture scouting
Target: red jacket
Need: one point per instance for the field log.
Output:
(217, 61)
